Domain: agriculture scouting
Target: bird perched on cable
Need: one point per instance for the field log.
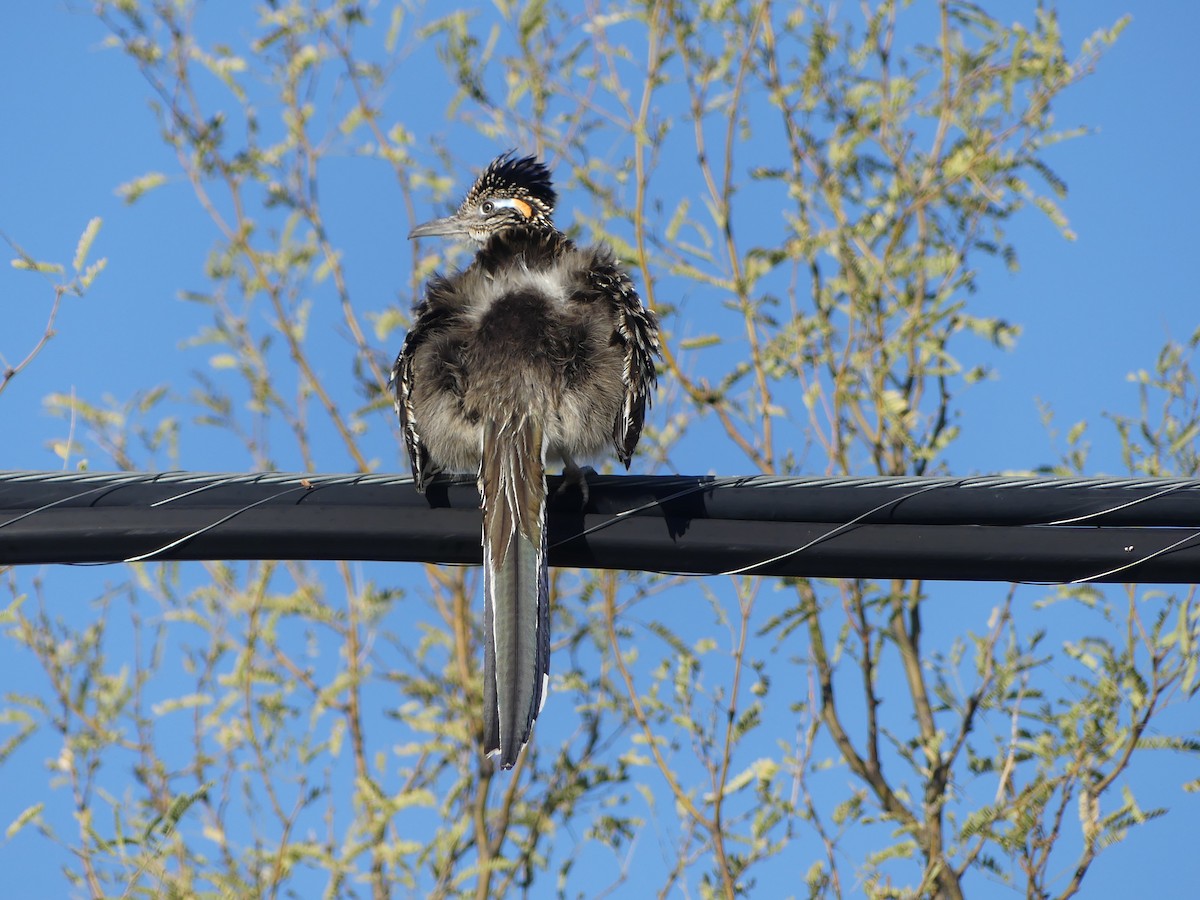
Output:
(539, 351)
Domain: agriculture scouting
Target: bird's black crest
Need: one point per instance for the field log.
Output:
(520, 177)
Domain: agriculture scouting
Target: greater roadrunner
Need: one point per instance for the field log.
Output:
(538, 351)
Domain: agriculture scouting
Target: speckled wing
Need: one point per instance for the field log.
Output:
(637, 330)
(402, 392)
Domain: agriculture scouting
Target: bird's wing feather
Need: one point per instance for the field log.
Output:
(402, 392)
(637, 331)
(436, 314)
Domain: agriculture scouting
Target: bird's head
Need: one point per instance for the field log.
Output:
(510, 192)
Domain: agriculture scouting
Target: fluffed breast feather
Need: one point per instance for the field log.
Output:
(581, 316)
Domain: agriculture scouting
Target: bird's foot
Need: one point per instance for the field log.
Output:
(576, 476)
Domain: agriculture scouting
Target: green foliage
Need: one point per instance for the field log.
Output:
(84, 274)
(807, 201)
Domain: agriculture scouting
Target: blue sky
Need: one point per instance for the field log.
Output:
(76, 123)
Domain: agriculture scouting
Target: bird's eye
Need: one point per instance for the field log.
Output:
(488, 206)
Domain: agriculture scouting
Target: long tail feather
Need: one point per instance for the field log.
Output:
(516, 661)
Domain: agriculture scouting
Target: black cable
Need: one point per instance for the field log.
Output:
(980, 529)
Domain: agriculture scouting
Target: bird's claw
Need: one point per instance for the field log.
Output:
(575, 476)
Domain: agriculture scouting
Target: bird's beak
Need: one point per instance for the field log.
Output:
(448, 225)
